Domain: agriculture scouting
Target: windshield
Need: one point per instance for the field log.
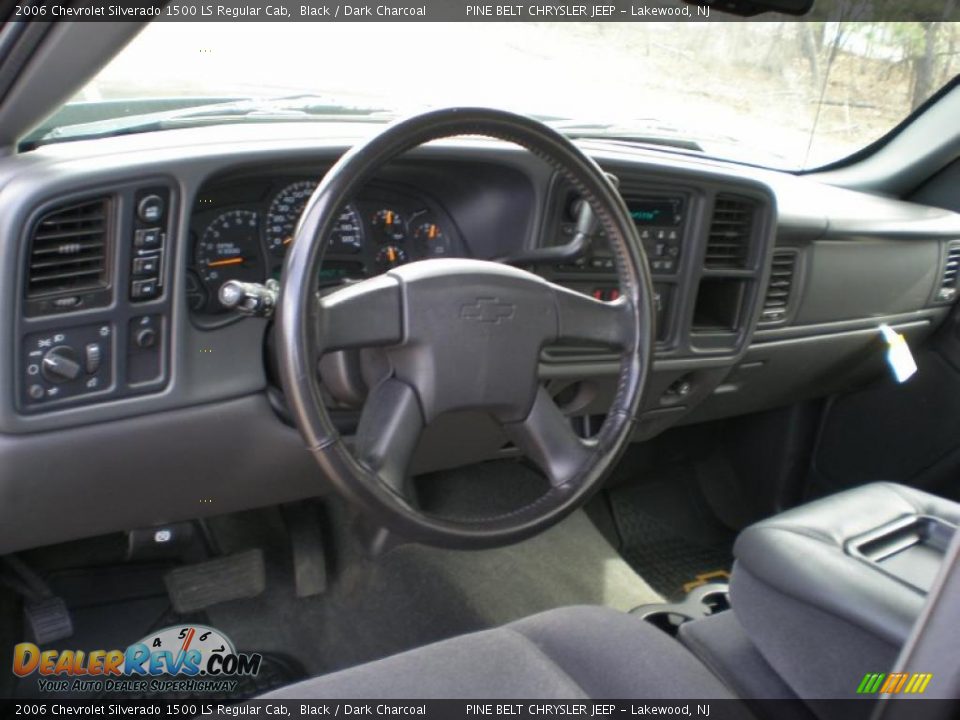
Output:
(790, 95)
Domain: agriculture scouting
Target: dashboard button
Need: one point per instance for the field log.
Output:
(144, 289)
(150, 209)
(146, 265)
(147, 239)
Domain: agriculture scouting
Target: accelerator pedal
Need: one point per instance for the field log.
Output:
(231, 577)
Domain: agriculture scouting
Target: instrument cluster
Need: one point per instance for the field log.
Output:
(243, 233)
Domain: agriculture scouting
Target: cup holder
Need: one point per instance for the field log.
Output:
(700, 602)
(716, 600)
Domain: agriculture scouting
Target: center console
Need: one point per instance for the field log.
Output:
(830, 590)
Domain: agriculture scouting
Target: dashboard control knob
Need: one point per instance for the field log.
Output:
(150, 209)
(146, 338)
(61, 364)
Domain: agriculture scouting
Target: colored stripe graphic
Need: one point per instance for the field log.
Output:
(903, 679)
(918, 683)
(891, 684)
(870, 683)
(913, 683)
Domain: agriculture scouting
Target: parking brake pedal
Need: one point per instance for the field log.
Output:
(231, 577)
(45, 614)
(48, 619)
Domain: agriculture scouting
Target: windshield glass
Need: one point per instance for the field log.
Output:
(791, 95)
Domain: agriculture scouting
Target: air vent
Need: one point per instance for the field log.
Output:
(776, 303)
(730, 230)
(68, 250)
(951, 272)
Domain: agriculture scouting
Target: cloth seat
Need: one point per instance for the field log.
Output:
(568, 653)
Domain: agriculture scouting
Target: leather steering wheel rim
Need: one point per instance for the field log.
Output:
(492, 306)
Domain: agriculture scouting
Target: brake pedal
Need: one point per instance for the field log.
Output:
(231, 577)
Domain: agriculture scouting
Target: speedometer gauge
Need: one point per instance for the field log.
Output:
(229, 249)
(284, 214)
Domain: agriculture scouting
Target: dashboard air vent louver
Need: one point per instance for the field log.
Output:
(951, 273)
(776, 303)
(68, 249)
(730, 231)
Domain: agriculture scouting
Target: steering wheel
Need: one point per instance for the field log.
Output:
(460, 334)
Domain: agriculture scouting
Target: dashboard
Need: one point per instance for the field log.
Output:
(768, 289)
(242, 227)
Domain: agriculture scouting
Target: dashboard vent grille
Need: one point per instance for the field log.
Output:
(776, 302)
(730, 230)
(951, 272)
(68, 249)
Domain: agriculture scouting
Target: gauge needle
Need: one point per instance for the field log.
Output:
(391, 254)
(288, 240)
(433, 232)
(226, 261)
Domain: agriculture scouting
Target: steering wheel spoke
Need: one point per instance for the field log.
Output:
(547, 438)
(388, 432)
(585, 319)
(366, 314)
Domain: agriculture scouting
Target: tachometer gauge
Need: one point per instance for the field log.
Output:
(388, 224)
(284, 213)
(432, 241)
(390, 256)
(229, 249)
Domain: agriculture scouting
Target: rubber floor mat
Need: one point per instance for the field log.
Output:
(669, 536)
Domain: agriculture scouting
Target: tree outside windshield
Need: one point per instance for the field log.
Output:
(790, 95)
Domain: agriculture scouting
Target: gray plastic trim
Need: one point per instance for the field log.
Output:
(192, 156)
(205, 460)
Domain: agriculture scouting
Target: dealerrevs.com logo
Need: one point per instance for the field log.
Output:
(192, 658)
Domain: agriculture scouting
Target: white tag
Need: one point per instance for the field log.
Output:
(899, 357)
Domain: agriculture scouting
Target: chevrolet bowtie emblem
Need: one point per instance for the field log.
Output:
(487, 310)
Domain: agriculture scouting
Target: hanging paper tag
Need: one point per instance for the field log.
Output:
(899, 357)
